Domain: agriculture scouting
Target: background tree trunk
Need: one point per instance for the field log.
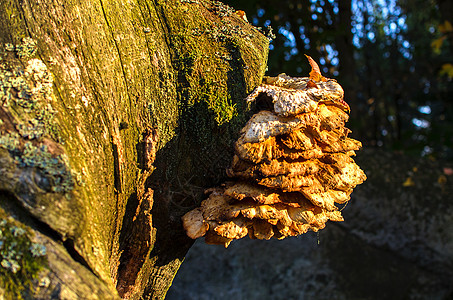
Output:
(115, 115)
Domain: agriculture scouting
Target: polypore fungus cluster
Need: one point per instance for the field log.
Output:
(292, 164)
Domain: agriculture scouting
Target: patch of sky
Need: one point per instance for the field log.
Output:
(332, 55)
(425, 109)
(290, 39)
(369, 16)
(427, 86)
(420, 123)
(427, 150)
(305, 39)
(259, 14)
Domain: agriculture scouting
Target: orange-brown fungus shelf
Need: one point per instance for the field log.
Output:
(292, 165)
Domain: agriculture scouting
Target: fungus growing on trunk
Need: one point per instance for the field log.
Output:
(292, 165)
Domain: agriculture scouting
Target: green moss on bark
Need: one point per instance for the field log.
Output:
(20, 259)
(214, 60)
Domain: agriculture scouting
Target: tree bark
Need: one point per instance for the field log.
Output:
(114, 117)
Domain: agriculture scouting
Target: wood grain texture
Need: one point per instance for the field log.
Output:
(119, 71)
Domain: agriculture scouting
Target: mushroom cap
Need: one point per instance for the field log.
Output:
(267, 136)
(266, 124)
(294, 95)
(194, 224)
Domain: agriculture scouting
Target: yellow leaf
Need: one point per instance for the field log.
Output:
(447, 69)
(437, 43)
(408, 182)
(442, 179)
(446, 27)
(315, 73)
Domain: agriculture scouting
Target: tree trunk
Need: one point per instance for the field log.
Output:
(345, 47)
(115, 115)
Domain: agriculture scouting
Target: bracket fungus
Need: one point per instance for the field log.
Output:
(292, 165)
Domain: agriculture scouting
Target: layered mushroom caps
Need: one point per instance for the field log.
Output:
(292, 166)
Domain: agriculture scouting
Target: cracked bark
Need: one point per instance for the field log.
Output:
(147, 99)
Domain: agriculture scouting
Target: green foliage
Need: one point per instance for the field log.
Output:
(20, 259)
(440, 46)
(447, 69)
(445, 29)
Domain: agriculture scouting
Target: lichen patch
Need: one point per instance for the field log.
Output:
(28, 129)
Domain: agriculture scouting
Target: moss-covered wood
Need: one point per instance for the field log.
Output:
(115, 115)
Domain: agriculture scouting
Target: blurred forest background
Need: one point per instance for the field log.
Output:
(394, 60)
